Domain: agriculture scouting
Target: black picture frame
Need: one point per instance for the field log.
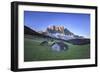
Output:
(14, 35)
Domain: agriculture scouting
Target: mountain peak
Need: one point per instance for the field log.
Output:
(54, 28)
(58, 29)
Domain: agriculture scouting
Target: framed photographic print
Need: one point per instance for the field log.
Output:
(52, 36)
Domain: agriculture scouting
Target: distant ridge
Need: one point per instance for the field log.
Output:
(29, 31)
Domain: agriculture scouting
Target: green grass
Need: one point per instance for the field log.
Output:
(33, 51)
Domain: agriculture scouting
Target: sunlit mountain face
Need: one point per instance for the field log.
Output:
(60, 32)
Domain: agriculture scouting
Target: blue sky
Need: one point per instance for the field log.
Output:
(77, 23)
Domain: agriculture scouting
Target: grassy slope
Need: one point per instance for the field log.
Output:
(33, 51)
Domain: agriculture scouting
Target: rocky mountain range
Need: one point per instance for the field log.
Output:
(58, 29)
(66, 35)
(60, 32)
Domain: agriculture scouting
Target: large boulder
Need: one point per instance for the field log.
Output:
(59, 46)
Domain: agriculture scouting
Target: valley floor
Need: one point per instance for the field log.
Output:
(33, 51)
